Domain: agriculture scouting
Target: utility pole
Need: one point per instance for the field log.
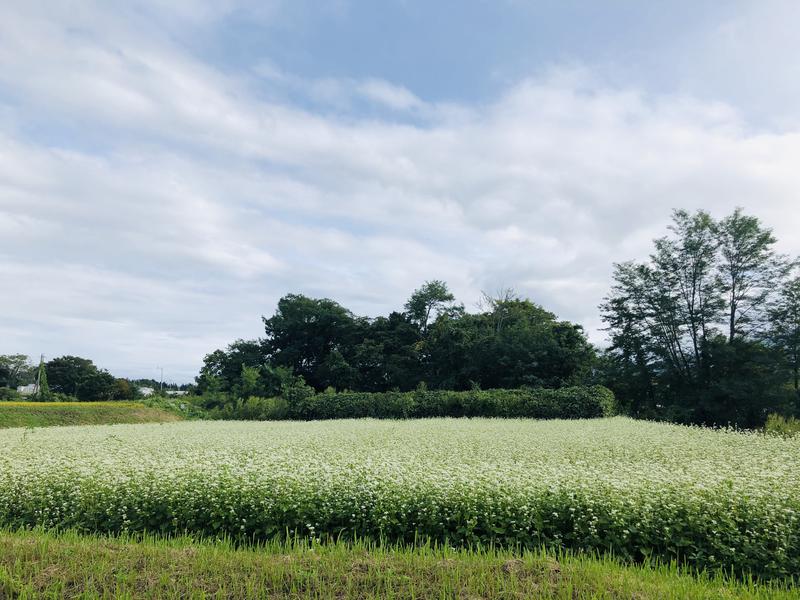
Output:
(161, 382)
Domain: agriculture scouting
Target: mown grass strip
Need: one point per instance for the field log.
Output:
(38, 564)
(49, 414)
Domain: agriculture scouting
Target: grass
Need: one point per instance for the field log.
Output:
(39, 564)
(48, 414)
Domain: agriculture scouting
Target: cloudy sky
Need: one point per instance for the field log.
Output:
(169, 169)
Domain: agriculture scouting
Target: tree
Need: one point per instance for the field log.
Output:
(514, 343)
(388, 356)
(784, 328)
(686, 264)
(123, 390)
(666, 319)
(748, 269)
(15, 370)
(316, 339)
(248, 382)
(79, 377)
(42, 386)
(430, 300)
(222, 369)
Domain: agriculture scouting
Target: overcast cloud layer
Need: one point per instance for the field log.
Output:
(168, 171)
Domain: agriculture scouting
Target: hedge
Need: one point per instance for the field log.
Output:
(583, 402)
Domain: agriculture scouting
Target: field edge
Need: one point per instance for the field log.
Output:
(37, 563)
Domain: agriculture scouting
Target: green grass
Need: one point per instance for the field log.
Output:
(37, 564)
(47, 414)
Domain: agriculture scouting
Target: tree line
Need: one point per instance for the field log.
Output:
(68, 378)
(434, 341)
(706, 330)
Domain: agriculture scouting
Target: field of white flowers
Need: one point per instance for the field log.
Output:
(638, 489)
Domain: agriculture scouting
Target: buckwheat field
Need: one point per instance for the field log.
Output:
(640, 490)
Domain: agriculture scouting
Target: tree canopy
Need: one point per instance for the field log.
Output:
(79, 377)
(511, 342)
(687, 326)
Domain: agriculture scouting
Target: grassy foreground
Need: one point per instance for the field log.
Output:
(35, 564)
(48, 414)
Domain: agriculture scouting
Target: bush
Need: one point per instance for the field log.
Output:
(9, 394)
(782, 426)
(262, 409)
(300, 403)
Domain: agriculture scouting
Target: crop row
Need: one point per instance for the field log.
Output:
(640, 490)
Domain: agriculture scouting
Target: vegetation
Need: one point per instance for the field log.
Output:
(80, 378)
(41, 564)
(784, 330)
(711, 499)
(48, 414)
(65, 378)
(15, 370)
(537, 403)
(780, 425)
(511, 343)
(696, 335)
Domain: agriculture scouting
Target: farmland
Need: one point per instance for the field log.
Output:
(711, 499)
(46, 414)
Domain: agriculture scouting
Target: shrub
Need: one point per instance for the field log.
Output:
(262, 409)
(782, 426)
(9, 394)
(536, 403)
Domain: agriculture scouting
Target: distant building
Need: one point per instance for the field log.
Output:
(27, 390)
(146, 391)
(176, 392)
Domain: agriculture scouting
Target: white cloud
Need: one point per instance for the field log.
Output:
(170, 204)
(393, 96)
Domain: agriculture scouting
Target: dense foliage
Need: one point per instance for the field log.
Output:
(512, 342)
(79, 377)
(65, 378)
(642, 490)
(708, 330)
(15, 370)
(537, 403)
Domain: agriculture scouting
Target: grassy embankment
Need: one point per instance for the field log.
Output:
(47, 414)
(67, 565)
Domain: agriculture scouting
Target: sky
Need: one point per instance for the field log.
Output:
(169, 169)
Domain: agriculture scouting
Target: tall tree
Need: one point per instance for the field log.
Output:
(748, 268)
(42, 385)
(684, 272)
(428, 302)
(316, 338)
(784, 327)
(666, 318)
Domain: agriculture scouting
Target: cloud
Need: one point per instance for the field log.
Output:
(393, 96)
(153, 206)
